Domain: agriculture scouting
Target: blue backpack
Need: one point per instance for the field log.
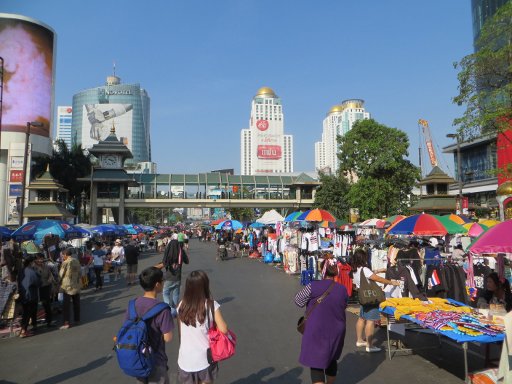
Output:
(133, 351)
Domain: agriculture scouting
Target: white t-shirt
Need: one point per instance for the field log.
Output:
(357, 276)
(118, 253)
(194, 344)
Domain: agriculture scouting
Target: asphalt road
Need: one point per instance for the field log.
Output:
(257, 303)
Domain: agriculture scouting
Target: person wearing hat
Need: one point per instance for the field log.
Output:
(117, 257)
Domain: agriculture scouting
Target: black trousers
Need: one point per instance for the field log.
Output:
(66, 307)
(29, 313)
(45, 297)
(99, 281)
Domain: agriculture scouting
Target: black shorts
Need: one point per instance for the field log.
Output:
(318, 374)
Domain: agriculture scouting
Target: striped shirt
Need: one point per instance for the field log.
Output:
(303, 296)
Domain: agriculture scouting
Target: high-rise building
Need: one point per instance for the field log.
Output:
(339, 121)
(264, 146)
(64, 115)
(126, 106)
(481, 11)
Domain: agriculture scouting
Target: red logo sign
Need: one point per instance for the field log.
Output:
(262, 125)
(69, 110)
(65, 227)
(28, 228)
(270, 152)
(16, 176)
(465, 203)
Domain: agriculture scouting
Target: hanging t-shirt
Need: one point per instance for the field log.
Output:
(194, 344)
(313, 242)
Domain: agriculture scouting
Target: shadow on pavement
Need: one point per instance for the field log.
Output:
(290, 377)
(225, 300)
(75, 372)
(355, 367)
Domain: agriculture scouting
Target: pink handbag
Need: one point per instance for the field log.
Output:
(222, 346)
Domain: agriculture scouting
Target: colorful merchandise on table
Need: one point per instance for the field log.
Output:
(444, 315)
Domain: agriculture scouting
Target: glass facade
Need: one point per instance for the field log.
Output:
(125, 106)
(481, 11)
(478, 162)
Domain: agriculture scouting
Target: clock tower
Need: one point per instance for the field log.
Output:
(109, 181)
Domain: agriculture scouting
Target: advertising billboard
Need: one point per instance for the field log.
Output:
(27, 48)
(268, 140)
(98, 120)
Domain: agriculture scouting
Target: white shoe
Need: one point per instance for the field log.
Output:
(373, 349)
(361, 344)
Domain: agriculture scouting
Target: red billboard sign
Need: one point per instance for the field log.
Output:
(269, 152)
(16, 176)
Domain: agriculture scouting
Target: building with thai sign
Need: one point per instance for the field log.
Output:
(265, 149)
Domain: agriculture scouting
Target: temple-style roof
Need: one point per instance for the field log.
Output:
(111, 145)
(46, 182)
(437, 176)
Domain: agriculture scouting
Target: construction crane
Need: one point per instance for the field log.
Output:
(428, 142)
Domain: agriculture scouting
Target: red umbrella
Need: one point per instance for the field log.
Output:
(218, 221)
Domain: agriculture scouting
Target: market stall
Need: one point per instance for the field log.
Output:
(446, 318)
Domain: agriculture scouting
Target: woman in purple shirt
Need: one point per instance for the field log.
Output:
(324, 335)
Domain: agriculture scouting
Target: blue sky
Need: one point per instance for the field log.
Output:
(202, 62)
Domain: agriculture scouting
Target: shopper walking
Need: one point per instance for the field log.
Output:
(28, 285)
(194, 317)
(131, 253)
(368, 314)
(160, 327)
(70, 283)
(174, 257)
(117, 258)
(46, 287)
(324, 334)
(98, 260)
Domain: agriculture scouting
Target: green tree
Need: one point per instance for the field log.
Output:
(485, 79)
(372, 156)
(332, 195)
(242, 214)
(66, 166)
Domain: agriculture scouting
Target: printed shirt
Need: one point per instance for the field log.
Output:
(98, 255)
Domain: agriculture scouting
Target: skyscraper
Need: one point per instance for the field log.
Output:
(481, 11)
(126, 106)
(64, 114)
(264, 148)
(339, 121)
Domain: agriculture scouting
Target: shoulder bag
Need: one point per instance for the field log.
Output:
(301, 324)
(222, 346)
(369, 292)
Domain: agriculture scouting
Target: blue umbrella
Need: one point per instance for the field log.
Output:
(84, 232)
(38, 229)
(133, 229)
(105, 230)
(293, 216)
(5, 233)
(229, 224)
(256, 225)
(148, 229)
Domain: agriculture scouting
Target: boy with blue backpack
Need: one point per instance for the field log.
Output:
(140, 343)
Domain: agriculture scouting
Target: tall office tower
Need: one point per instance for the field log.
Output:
(481, 11)
(264, 148)
(124, 106)
(339, 121)
(64, 114)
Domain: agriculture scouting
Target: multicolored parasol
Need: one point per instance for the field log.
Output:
(317, 215)
(495, 240)
(419, 225)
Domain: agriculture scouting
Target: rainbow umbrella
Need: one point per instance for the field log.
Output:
(317, 215)
(293, 216)
(489, 223)
(419, 225)
(451, 226)
(328, 224)
(459, 219)
(475, 229)
(496, 239)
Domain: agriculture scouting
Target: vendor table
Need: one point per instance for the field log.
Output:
(457, 337)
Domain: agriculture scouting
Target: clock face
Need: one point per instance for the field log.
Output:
(111, 161)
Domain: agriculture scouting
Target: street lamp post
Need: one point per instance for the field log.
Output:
(83, 197)
(25, 159)
(459, 167)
